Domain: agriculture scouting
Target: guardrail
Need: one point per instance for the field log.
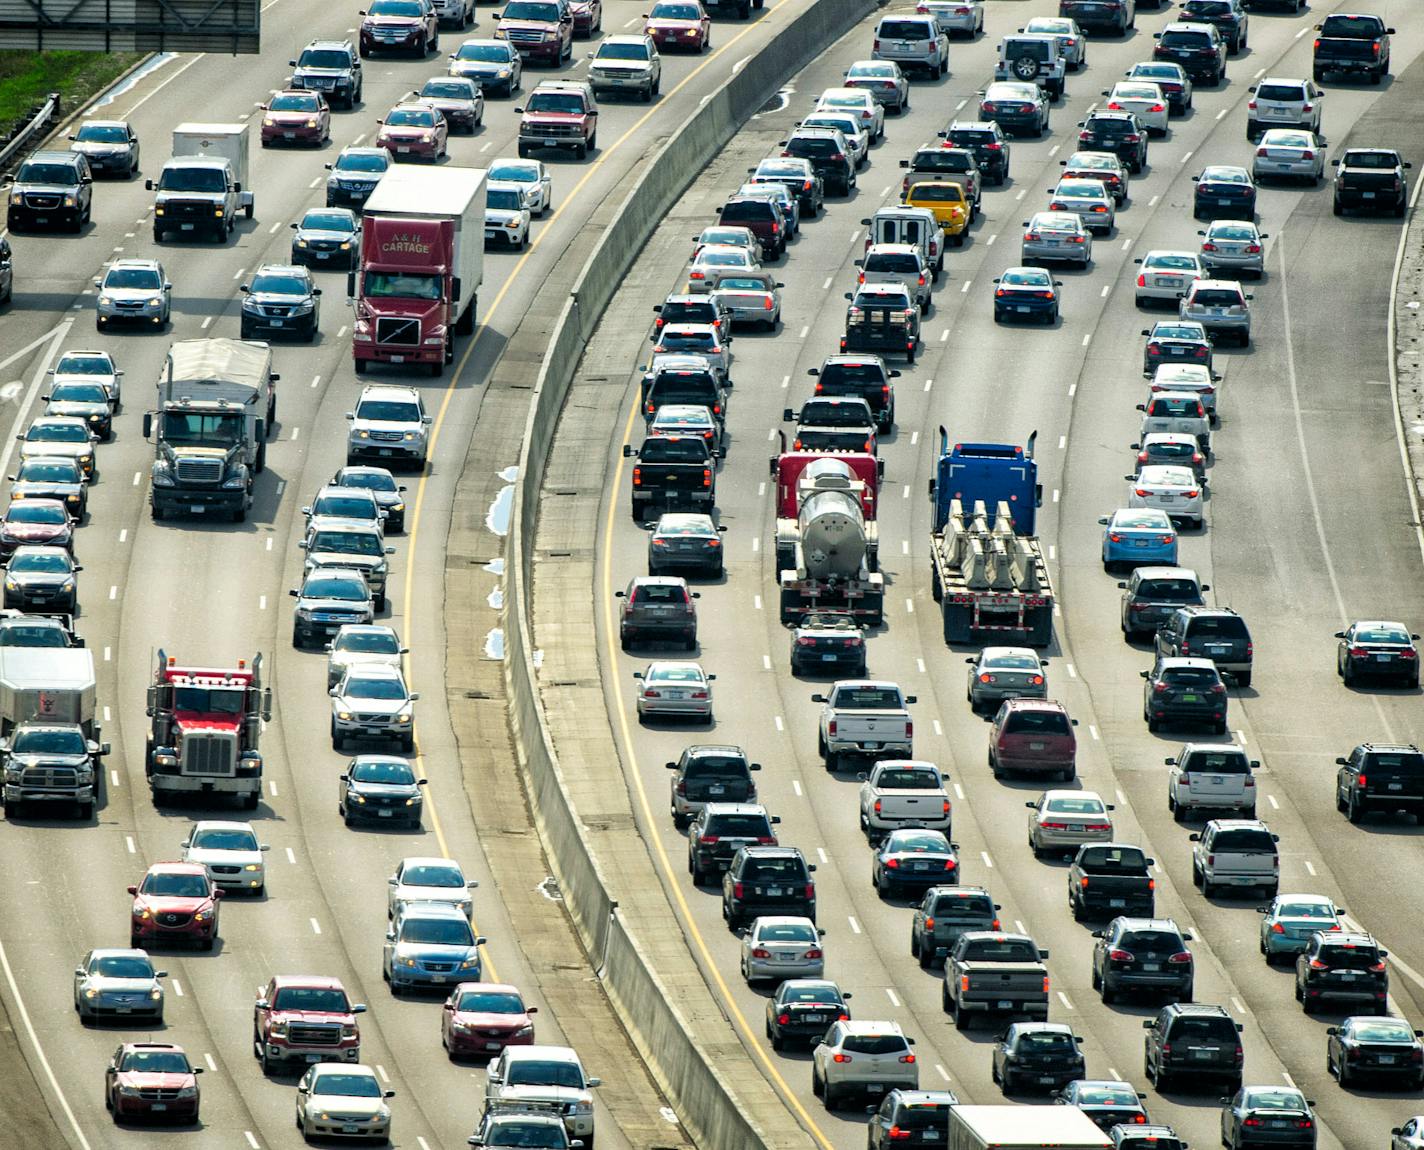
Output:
(40, 119)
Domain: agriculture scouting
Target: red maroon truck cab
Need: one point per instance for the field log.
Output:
(411, 26)
(538, 29)
(305, 1018)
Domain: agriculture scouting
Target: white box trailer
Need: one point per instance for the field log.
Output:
(226, 141)
(48, 684)
(1024, 1128)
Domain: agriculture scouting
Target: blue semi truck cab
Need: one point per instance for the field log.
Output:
(990, 472)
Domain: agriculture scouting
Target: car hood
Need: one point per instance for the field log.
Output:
(433, 952)
(399, 22)
(149, 1080)
(404, 132)
(323, 235)
(385, 789)
(445, 894)
(479, 68)
(342, 559)
(105, 984)
(369, 706)
(39, 579)
(344, 659)
(278, 299)
(313, 1016)
(386, 424)
(621, 65)
(555, 117)
(82, 408)
(222, 857)
(55, 189)
(344, 1104)
(33, 532)
(353, 176)
(57, 760)
(670, 23)
(321, 73)
(161, 903)
(132, 294)
(357, 606)
(43, 487)
(492, 1021)
(559, 1094)
(450, 103)
(504, 215)
(98, 148)
(290, 116)
(533, 25)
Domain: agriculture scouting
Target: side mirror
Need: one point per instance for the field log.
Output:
(132, 890)
(1142, 674)
(1196, 838)
(822, 699)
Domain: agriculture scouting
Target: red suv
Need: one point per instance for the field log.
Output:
(151, 1080)
(1034, 736)
(538, 29)
(305, 1018)
(176, 902)
(400, 26)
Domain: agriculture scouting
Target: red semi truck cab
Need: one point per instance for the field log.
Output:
(204, 726)
(416, 287)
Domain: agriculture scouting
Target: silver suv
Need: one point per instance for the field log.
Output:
(133, 291)
(373, 702)
(626, 64)
(902, 264)
(1220, 306)
(389, 423)
(912, 40)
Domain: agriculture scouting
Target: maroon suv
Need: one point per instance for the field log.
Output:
(762, 217)
(538, 29)
(177, 902)
(400, 26)
(1033, 736)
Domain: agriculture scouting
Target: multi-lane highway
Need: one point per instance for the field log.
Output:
(211, 593)
(1308, 526)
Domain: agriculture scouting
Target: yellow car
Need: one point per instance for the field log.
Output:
(948, 202)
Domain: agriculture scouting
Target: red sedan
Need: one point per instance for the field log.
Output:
(151, 1080)
(175, 903)
(296, 118)
(588, 17)
(411, 130)
(679, 26)
(35, 521)
(481, 1018)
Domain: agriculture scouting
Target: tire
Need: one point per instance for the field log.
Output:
(1243, 679)
(1107, 993)
(1355, 810)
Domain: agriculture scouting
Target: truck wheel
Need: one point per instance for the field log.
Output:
(261, 463)
(926, 957)
(437, 368)
(365, 364)
(961, 1020)
(11, 810)
(249, 801)
(86, 810)
(240, 514)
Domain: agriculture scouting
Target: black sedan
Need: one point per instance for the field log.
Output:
(1033, 1056)
(802, 1010)
(1376, 649)
(1363, 1048)
(57, 477)
(1268, 1116)
(327, 238)
(1224, 192)
(1175, 341)
(913, 857)
(1120, 133)
(1107, 1102)
(828, 643)
(685, 541)
(86, 401)
(1026, 293)
(380, 789)
(42, 580)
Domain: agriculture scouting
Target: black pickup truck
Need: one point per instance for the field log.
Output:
(860, 376)
(1354, 44)
(684, 379)
(672, 473)
(882, 317)
(1111, 879)
(1371, 180)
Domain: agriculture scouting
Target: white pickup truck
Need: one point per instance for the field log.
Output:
(864, 718)
(902, 792)
(1179, 411)
(1211, 777)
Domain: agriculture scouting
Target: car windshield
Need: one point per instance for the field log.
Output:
(786, 932)
(57, 432)
(121, 966)
(66, 472)
(486, 54)
(437, 932)
(916, 842)
(411, 118)
(375, 688)
(35, 634)
(535, 1072)
(346, 506)
(386, 771)
(102, 134)
(324, 58)
(1075, 806)
(347, 1085)
(490, 1002)
(185, 177)
(210, 700)
(328, 222)
(908, 779)
(1046, 1040)
(79, 393)
(675, 12)
(224, 839)
(388, 411)
(330, 587)
(395, 8)
(527, 1135)
(48, 740)
(280, 283)
(623, 52)
(346, 542)
(1225, 176)
(41, 173)
(514, 173)
(313, 999)
(1381, 635)
(1312, 910)
(155, 1062)
(292, 102)
(1273, 1100)
(362, 162)
(175, 885)
(368, 642)
(426, 874)
(132, 279)
(525, 10)
(41, 563)
(569, 103)
(30, 511)
(455, 89)
(1382, 1031)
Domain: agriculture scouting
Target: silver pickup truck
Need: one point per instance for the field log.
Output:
(864, 718)
(902, 792)
(994, 974)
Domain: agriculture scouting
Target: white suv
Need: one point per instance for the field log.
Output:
(626, 64)
(1283, 103)
(388, 423)
(548, 1075)
(912, 41)
(868, 1058)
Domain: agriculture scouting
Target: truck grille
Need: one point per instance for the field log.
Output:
(211, 754)
(312, 1034)
(524, 35)
(58, 778)
(188, 210)
(551, 131)
(42, 203)
(201, 470)
(397, 330)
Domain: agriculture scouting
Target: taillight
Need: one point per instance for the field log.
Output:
(1253, 249)
(814, 952)
(709, 840)
(738, 890)
(706, 477)
(1363, 780)
(1377, 968)
(1157, 108)
(1142, 281)
(895, 1133)
(1317, 44)
(1358, 652)
(877, 806)
(909, 728)
(1120, 955)
(1307, 155)
(842, 1057)
(1114, 106)
(1277, 928)
(1211, 247)
(964, 982)
(761, 952)
(1141, 491)
(637, 476)
(831, 728)
(993, 147)
(1181, 958)
(907, 1058)
(783, 1019)
(809, 891)
(1252, 105)
(681, 788)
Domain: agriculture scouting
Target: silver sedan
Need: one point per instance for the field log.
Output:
(1062, 821)
(750, 297)
(679, 690)
(118, 983)
(884, 80)
(778, 947)
(1234, 245)
(1289, 154)
(999, 673)
(1056, 236)
(963, 16)
(1089, 200)
(1165, 275)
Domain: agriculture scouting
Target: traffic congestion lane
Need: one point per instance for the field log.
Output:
(234, 567)
(738, 411)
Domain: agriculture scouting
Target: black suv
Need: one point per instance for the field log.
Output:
(1198, 48)
(859, 376)
(1215, 633)
(1340, 967)
(1037, 1056)
(693, 309)
(1380, 777)
(684, 379)
(1120, 133)
(51, 188)
(709, 773)
(944, 914)
(1143, 954)
(719, 830)
(1192, 1042)
(1371, 179)
(988, 143)
(919, 1117)
(825, 149)
(331, 67)
(1227, 16)
(768, 880)
(1117, 16)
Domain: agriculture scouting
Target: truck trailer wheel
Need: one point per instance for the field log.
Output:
(956, 624)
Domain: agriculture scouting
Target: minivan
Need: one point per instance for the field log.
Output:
(1033, 736)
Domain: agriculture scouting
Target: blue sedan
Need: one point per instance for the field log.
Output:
(1288, 921)
(1026, 293)
(1136, 536)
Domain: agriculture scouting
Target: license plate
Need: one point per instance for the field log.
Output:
(181, 227)
(322, 255)
(828, 658)
(921, 866)
(1367, 195)
(773, 892)
(164, 1106)
(289, 135)
(874, 1087)
(789, 957)
(277, 322)
(493, 1046)
(1044, 1080)
(1020, 307)
(1005, 1004)
(673, 694)
(1076, 827)
(437, 978)
(397, 359)
(1202, 1055)
(815, 1018)
(383, 451)
(351, 1129)
(1035, 746)
(1279, 1124)
(1394, 786)
(1191, 698)
(490, 233)
(1224, 201)
(1217, 649)
(196, 508)
(1151, 966)
(313, 1057)
(551, 143)
(1345, 973)
(1165, 498)
(402, 147)
(124, 1009)
(932, 1135)
(45, 220)
(1116, 902)
(1383, 658)
(383, 814)
(717, 789)
(1386, 1059)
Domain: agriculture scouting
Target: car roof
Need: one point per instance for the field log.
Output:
(782, 920)
(131, 1046)
(733, 809)
(1144, 573)
(432, 910)
(176, 867)
(151, 265)
(1349, 938)
(221, 825)
(858, 1026)
(1105, 115)
(377, 670)
(1126, 922)
(1042, 1028)
(1178, 662)
(541, 1053)
(321, 1069)
(628, 38)
(388, 390)
(714, 749)
(1035, 705)
(117, 952)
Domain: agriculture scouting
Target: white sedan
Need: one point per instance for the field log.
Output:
(429, 880)
(1089, 200)
(681, 690)
(231, 853)
(1289, 154)
(535, 183)
(864, 104)
(713, 259)
(1062, 821)
(343, 1100)
(778, 947)
(1175, 490)
(1144, 99)
(1165, 275)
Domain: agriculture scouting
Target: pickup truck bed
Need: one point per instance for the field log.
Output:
(1111, 879)
(978, 981)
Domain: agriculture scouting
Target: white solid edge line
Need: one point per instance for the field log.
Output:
(1390, 337)
(39, 1050)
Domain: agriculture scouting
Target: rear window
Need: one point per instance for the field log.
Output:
(1217, 297)
(1380, 160)
(835, 415)
(811, 146)
(659, 593)
(673, 449)
(937, 192)
(715, 767)
(1412, 764)
(1190, 677)
(868, 699)
(1176, 407)
(1350, 957)
(1037, 723)
(1352, 27)
(1001, 950)
(1212, 763)
(1244, 840)
(958, 909)
(1219, 627)
(875, 1044)
(1194, 1027)
(941, 160)
(1185, 40)
(781, 868)
(971, 137)
(1111, 127)
(1206, 8)
(892, 262)
(739, 826)
(1154, 941)
(689, 312)
(1172, 590)
(1119, 858)
(1046, 1040)
(838, 373)
(747, 211)
(910, 779)
(903, 30)
(1280, 92)
(922, 1116)
(1034, 49)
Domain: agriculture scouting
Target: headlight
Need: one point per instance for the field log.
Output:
(158, 211)
(11, 585)
(303, 307)
(68, 201)
(233, 482)
(384, 1113)
(253, 867)
(16, 198)
(410, 435)
(69, 582)
(129, 1091)
(397, 506)
(268, 122)
(470, 963)
(311, 123)
(407, 962)
(411, 802)
(203, 916)
(142, 912)
(583, 1106)
(512, 224)
(503, 73)
(278, 1028)
(155, 994)
(90, 992)
(187, 1092)
(344, 716)
(363, 435)
(353, 797)
(161, 473)
(106, 301)
(250, 304)
(346, 247)
(348, 1030)
(14, 774)
(403, 717)
(301, 243)
(95, 417)
(524, 1031)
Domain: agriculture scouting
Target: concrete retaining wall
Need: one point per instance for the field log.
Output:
(674, 1051)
